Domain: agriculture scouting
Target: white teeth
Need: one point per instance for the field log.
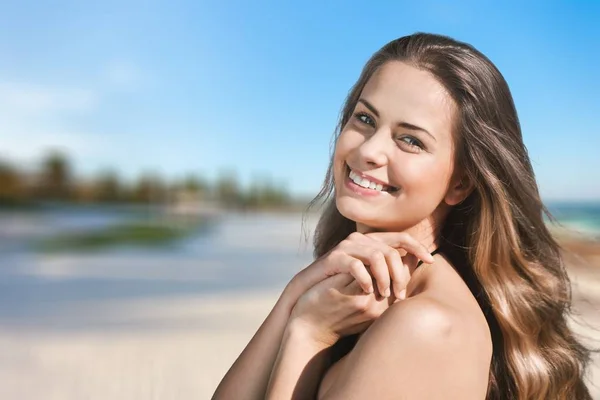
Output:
(355, 178)
(365, 182)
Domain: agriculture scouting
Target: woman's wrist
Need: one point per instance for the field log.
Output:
(313, 336)
(300, 363)
(289, 297)
(295, 288)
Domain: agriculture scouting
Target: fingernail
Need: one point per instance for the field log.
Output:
(370, 289)
(386, 292)
(402, 295)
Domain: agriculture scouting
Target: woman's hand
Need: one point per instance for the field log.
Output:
(336, 307)
(375, 255)
(333, 308)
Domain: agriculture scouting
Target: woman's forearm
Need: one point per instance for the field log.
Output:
(300, 363)
(248, 377)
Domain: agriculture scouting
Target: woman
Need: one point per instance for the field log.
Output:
(428, 158)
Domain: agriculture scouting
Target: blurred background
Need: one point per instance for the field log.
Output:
(156, 160)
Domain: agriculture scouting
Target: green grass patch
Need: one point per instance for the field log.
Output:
(130, 234)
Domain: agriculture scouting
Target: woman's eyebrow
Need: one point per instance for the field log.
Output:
(401, 124)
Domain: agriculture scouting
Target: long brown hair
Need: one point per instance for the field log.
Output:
(499, 229)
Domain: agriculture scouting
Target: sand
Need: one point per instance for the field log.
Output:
(176, 346)
(183, 356)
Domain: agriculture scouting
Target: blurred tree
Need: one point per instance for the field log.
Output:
(228, 190)
(107, 187)
(196, 185)
(149, 189)
(83, 192)
(252, 196)
(11, 185)
(264, 193)
(55, 182)
(276, 195)
(193, 184)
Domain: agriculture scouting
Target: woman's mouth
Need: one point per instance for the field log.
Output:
(363, 183)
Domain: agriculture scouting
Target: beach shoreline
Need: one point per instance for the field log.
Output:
(152, 325)
(180, 347)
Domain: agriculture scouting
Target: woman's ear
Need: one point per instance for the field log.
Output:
(460, 188)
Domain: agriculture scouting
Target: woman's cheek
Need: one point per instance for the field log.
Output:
(423, 177)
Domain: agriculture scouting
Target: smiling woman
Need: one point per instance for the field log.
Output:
(429, 167)
(418, 161)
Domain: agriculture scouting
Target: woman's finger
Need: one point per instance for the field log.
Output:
(397, 271)
(353, 289)
(339, 281)
(396, 268)
(373, 257)
(405, 241)
(402, 281)
(380, 271)
(359, 271)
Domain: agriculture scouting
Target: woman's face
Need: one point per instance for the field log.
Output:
(398, 143)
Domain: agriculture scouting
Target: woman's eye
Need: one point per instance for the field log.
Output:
(413, 143)
(365, 119)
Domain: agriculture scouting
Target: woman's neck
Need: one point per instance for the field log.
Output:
(426, 232)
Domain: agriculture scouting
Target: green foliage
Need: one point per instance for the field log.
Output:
(195, 184)
(149, 189)
(228, 189)
(11, 187)
(263, 193)
(55, 177)
(131, 234)
(55, 182)
(108, 188)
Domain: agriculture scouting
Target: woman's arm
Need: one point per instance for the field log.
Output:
(418, 349)
(300, 364)
(333, 308)
(248, 377)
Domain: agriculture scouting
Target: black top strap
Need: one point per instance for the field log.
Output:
(432, 253)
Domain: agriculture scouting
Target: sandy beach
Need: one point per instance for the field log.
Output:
(185, 359)
(178, 346)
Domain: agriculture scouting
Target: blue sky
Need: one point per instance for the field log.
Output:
(255, 86)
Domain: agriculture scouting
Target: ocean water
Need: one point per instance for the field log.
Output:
(582, 218)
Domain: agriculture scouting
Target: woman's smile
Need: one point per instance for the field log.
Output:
(364, 185)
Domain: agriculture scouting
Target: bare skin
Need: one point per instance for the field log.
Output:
(439, 325)
(249, 375)
(435, 344)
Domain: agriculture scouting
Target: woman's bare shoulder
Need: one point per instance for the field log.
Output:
(439, 293)
(436, 343)
(419, 348)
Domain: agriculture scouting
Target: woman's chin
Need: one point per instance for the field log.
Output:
(371, 219)
(365, 219)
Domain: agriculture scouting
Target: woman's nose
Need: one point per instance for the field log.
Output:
(374, 150)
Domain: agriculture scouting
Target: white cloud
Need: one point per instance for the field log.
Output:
(120, 74)
(36, 118)
(28, 98)
(25, 143)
